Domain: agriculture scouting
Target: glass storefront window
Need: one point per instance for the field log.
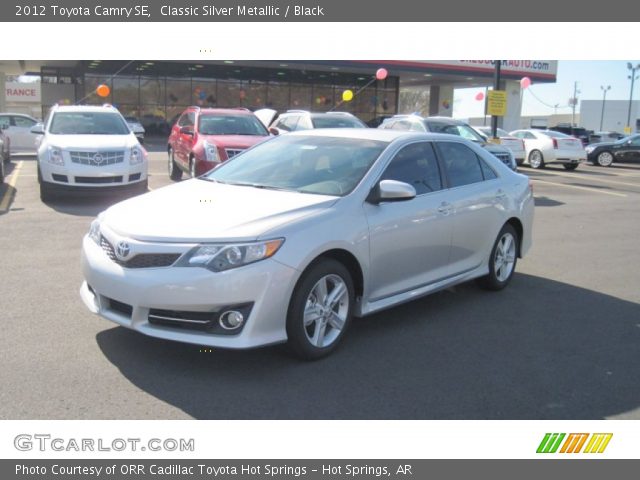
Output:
(277, 96)
(204, 92)
(178, 92)
(125, 90)
(152, 91)
(300, 97)
(255, 94)
(229, 93)
(323, 98)
(154, 120)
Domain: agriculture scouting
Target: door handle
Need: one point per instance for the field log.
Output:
(500, 194)
(444, 208)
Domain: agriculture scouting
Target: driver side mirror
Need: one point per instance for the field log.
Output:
(391, 191)
(37, 129)
(274, 131)
(186, 130)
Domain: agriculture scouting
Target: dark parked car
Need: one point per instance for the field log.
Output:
(578, 132)
(626, 149)
(416, 123)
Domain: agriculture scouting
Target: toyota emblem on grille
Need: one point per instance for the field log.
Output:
(98, 158)
(123, 249)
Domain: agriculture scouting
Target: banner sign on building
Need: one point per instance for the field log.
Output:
(22, 92)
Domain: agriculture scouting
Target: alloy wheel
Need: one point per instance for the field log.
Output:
(505, 257)
(326, 310)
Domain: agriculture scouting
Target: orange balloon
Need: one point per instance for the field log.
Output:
(103, 90)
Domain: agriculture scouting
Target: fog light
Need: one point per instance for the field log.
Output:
(232, 319)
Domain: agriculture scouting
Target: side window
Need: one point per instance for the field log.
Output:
(461, 163)
(191, 119)
(304, 123)
(5, 121)
(529, 136)
(487, 171)
(183, 121)
(417, 127)
(416, 165)
(23, 122)
(635, 141)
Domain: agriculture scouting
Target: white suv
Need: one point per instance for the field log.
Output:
(89, 149)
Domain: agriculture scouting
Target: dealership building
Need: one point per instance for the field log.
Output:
(157, 91)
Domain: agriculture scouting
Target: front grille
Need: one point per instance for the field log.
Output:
(117, 179)
(142, 260)
(504, 158)
(100, 158)
(232, 152)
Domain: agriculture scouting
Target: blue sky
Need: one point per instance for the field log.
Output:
(590, 75)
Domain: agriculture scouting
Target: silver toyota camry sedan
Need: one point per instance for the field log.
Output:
(292, 238)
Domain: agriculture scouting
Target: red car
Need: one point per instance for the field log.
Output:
(202, 138)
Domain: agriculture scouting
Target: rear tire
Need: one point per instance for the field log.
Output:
(502, 261)
(320, 309)
(536, 160)
(175, 173)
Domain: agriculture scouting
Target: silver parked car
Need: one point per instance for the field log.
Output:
(289, 240)
(17, 127)
(548, 146)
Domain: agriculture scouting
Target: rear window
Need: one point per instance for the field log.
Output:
(553, 134)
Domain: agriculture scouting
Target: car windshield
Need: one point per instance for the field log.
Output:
(307, 164)
(464, 131)
(336, 121)
(88, 123)
(627, 139)
(230, 125)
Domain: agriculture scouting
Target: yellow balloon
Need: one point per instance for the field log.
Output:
(347, 95)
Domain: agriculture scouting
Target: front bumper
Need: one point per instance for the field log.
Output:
(267, 285)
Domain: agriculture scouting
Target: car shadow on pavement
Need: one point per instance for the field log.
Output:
(540, 349)
(88, 206)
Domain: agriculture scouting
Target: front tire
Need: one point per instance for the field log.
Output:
(193, 167)
(604, 159)
(320, 309)
(536, 160)
(175, 173)
(502, 261)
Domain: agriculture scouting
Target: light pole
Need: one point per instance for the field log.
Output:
(604, 99)
(633, 78)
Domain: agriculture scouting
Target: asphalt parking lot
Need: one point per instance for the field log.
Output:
(562, 342)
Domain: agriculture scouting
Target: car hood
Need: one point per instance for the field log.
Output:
(198, 210)
(492, 147)
(92, 142)
(602, 144)
(234, 141)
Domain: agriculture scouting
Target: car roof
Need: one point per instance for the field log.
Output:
(225, 111)
(85, 108)
(372, 134)
(446, 120)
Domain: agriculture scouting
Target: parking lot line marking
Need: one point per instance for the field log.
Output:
(588, 177)
(4, 204)
(616, 194)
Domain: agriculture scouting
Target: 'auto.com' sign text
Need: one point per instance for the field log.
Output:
(22, 92)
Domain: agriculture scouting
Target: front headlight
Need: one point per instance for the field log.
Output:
(211, 152)
(136, 155)
(221, 257)
(94, 231)
(589, 148)
(55, 156)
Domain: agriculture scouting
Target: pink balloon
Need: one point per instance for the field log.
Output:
(525, 83)
(381, 74)
(479, 96)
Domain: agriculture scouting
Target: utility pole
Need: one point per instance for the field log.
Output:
(604, 99)
(496, 86)
(574, 102)
(633, 78)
